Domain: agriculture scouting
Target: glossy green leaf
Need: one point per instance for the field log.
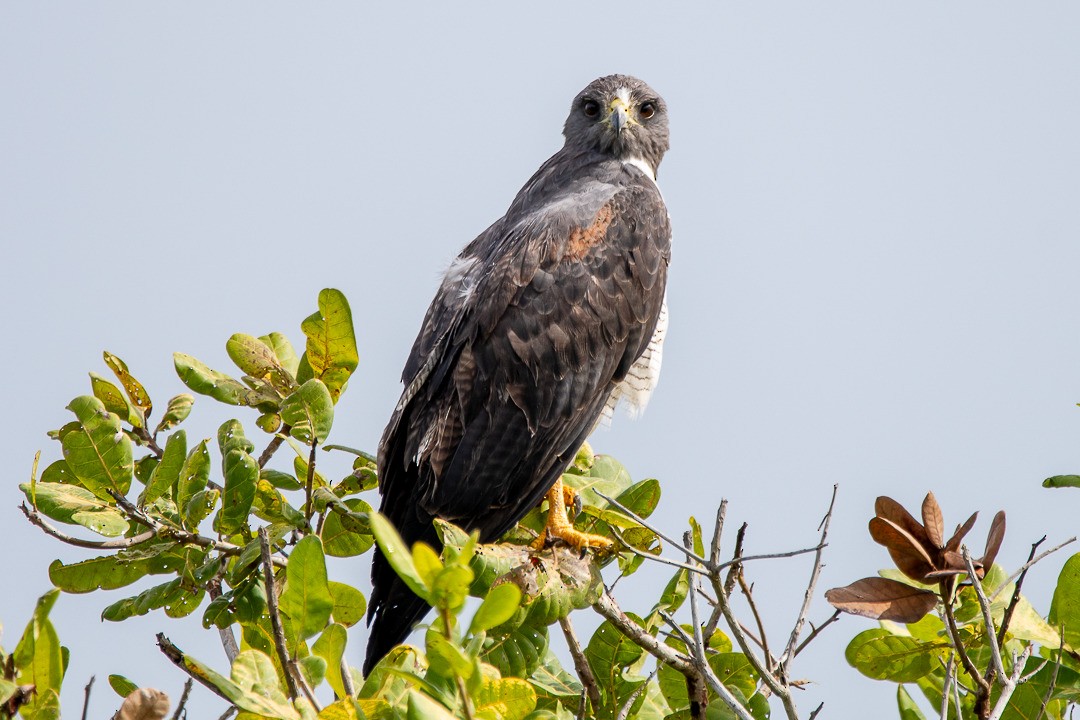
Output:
(257, 359)
(281, 480)
(134, 389)
(176, 412)
(114, 400)
(98, 452)
(172, 596)
(121, 685)
(1059, 481)
(241, 478)
(306, 600)
(205, 381)
(38, 659)
(194, 474)
(609, 652)
(422, 707)
(76, 506)
(347, 535)
(331, 647)
(447, 659)
(349, 603)
(450, 587)
(309, 411)
(1065, 607)
(907, 707)
(58, 472)
(199, 508)
(499, 606)
(331, 345)
(102, 573)
(250, 701)
(166, 473)
(505, 698)
(283, 351)
(397, 554)
(881, 655)
(551, 679)
(516, 651)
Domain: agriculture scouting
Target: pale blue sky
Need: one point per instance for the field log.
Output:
(874, 278)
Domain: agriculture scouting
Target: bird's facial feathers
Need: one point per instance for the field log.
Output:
(620, 116)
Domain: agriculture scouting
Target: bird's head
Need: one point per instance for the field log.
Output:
(621, 116)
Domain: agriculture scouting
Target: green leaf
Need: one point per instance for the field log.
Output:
(199, 508)
(306, 600)
(255, 671)
(309, 412)
(881, 655)
(135, 391)
(552, 680)
(241, 478)
(499, 606)
(348, 535)
(176, 412)
(397, 554)
(166, 473)
(1065, 607)
(450, 587)
(1059, 481)
(114, 400)
(349, 603)
(516, 651)
(209, 382)
(283, 351)
(281, 480)
(194, 474)
(177, 600)
(422, 707)
(122, 685)
(98, 452)
(447, 659)
(609, 652)
(331, 345)
(251, 701)
(37, 657)
(908, 709)
(59, 472)
(331, 647)
(505, 698)
(102, 573)
(642, 497)
(76, 506)
(258, 360)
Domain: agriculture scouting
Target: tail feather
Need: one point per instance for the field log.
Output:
(394, 609)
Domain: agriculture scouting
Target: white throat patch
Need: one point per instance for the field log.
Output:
(641, 165)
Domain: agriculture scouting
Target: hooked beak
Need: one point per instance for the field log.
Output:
(618, 116)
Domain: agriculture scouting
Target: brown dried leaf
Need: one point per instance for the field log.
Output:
(883, 599)
(932, 521)
(888, 509)
(909, 555)
(952, 563)
(961, 530)
(993, 539)
(144, 704)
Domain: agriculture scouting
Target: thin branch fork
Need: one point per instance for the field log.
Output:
(584, 671)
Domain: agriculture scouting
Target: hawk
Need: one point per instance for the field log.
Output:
(540, 327)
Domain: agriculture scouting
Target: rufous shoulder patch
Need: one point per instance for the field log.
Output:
(581, 239)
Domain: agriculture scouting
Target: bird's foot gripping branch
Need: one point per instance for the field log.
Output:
(245, 532)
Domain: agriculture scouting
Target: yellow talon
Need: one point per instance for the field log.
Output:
(559, 528)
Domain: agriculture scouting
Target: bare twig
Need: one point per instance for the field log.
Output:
(346, 679)
(769, 660)
(225, 634)
(817, 710)
(736, 560)
(718, 530)
(228, 713)
(949, 667)
(793, 641)
(624, 711)
(585, 673)
(649, 556)
(610, 610)
(176, 655)
(988, 618)
(659, 533)
(184, 698)
(815, 631)
(947, 589)
(1028, 564)
(308, 508)
(773, 556)
(86, 698)
(273, 445)
(1015, 599)
(35, 518)
(275, 617)
(1008, 683)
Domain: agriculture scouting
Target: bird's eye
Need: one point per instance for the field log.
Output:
(591, 108)
(647, 110)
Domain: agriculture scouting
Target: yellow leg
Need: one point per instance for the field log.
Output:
(559, 528)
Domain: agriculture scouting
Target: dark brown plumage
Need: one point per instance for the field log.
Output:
(543, 320)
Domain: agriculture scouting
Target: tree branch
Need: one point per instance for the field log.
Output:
(275, 617)
(584, 671)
